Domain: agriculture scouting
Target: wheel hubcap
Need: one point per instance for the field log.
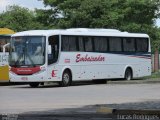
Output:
(66, 78)
(128, 76)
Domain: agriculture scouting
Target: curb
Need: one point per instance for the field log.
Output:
(106, 110)
(142, 81)
(143, 112)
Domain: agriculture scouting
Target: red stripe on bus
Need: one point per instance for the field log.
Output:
(25, 71)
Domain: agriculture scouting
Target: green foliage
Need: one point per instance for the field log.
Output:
(128, 15)
(19, 19)
(53, 3)
(125, 15)
(46, 17)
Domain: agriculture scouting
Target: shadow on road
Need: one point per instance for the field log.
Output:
(135, 111)
(56, 85)
(75, 83)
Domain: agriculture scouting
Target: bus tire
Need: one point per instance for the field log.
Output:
(66, 79)
(34, 84)
(128, 74)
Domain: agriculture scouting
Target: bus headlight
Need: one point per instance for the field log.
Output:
(41, 71)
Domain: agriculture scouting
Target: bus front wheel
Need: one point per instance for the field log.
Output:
(128, 74)
(66, 79)
(34, 84)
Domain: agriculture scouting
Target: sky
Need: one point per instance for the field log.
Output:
(31, 4)
(158, 22)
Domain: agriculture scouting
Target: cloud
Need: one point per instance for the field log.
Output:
(4, 4)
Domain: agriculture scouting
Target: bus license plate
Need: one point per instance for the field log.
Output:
(24, 78)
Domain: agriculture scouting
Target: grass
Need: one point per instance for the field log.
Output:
(153, 75)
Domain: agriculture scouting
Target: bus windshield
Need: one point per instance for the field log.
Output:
(27, 51)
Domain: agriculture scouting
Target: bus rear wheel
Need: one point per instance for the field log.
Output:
(34, 84)
(128, 74)
(66, 79)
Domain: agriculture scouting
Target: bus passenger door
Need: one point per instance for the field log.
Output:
(53, 53)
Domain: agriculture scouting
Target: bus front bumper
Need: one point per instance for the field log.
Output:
(38, 77)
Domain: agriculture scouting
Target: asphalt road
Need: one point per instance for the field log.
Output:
(81, 98)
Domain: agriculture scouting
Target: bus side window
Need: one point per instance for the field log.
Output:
(100, 44)
(115, 44)
(54, 43)
(142, 44)
(129, 45)
(80, 44)
(69, 43)
(88, 44)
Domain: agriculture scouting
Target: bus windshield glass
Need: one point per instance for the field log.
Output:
(27, 51)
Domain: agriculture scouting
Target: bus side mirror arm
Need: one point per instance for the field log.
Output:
(4, 47)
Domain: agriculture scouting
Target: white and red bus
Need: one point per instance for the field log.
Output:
(78, 54)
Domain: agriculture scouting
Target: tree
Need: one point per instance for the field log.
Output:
(155, 47)
(125, 15)
(46, 17)
(19, 19)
